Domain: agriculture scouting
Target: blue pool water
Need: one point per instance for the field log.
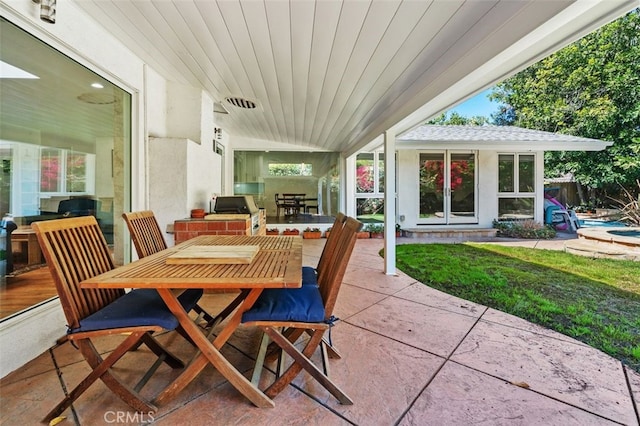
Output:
(587, 223)
(623, 233)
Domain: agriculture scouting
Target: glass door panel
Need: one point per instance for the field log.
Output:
(462, 184)
(447, 188)
(432, 185)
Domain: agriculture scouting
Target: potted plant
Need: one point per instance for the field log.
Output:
(376, 230)
(364, 234)
(327, 232)
(273, 231)
(291, 231)
(398, 230)
(311, 233)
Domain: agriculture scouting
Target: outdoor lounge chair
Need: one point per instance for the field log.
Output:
(76, 250)
(305, 309)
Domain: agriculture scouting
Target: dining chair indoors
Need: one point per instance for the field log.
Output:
(309, 308)
(148, 239)
(75, 250)
(280, 205)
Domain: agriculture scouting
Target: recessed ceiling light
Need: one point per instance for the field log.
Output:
(97, 86)
(9, 71)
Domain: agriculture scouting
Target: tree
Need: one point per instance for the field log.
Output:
(590, 88)
(456, 119)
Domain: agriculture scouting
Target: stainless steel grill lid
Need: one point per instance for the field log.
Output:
(242, 204)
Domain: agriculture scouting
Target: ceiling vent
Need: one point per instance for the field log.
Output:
(241, 102)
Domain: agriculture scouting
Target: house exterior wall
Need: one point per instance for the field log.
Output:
(190, 115)
(487, 184)
(174, 188)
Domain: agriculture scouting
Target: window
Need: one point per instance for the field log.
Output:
(66, 172)
(288, 169)
(67, 139)
(76, 172)
(263, 174)
(50, 170)
(370, 185)
(364, 173)
(516, 186)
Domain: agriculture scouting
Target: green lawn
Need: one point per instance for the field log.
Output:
(596, 301)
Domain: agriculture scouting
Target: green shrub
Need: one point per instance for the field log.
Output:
(374, 228)
(524, 229)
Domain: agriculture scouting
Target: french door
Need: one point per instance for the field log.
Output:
(448, 188)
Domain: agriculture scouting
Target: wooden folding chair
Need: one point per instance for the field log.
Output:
(330, 244)
(148, 239)
(312, 275)
(76, 250)
(306, 309)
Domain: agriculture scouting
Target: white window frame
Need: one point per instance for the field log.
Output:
(516, 193)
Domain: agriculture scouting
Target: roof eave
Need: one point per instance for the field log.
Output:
(505, 145)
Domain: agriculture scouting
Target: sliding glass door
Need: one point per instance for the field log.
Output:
(447, 186)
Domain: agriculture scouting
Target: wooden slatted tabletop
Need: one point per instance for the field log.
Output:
(278, 263)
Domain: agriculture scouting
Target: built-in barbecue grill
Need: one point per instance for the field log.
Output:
(239, 204)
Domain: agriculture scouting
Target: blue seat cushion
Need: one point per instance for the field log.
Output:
(309, 276)
(139, 307)
(302, 304)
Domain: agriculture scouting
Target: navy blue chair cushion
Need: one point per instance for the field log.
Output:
(302, 304)
(138, 307)
(309, 276)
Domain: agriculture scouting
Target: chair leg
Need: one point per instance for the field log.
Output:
(205, 315)
(101, 371)
(331, 350)
(229, 309)
(301, 361)
(262, 352)
(274, 351)
(171, 360)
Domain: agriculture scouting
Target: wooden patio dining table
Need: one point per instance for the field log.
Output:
(277, 264)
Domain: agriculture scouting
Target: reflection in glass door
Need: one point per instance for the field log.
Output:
(447, 188)
(432, 188)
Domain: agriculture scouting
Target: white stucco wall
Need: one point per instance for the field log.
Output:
(23, 337)
(155, 104)
(183, 175)
(487, 204)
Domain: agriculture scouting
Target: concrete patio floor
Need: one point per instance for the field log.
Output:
(411, 355)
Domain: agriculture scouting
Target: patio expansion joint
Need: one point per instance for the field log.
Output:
(446, 360)
(502, 379)
(527, 388)
(65, 391)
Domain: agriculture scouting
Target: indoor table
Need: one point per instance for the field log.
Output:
(277, 263)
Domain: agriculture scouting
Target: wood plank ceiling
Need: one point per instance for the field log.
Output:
(333, 75)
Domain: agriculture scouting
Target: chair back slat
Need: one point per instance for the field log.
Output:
(76, 250)
(330, 244)
(332, 275)
(145, 232)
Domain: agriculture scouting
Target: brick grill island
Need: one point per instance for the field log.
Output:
(217, 224)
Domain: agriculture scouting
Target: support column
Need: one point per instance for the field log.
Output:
(389, 203)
